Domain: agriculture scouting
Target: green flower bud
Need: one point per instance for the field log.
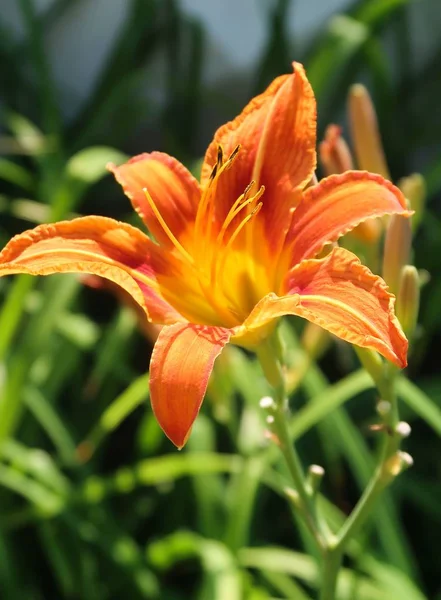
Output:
(408, 300)
(414, 188)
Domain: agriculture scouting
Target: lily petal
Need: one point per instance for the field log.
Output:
(342, 296)
(336, 205)
(180, 367)
(172, 187)
(277, 134)
(99, 246)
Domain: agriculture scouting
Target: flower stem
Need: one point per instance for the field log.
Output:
(391, 460)
(331, 567)
(305, 501)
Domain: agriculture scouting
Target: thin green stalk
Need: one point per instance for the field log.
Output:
(306, 504)
(303, 499)
(390, 463)
(331, 567)
(366, 502)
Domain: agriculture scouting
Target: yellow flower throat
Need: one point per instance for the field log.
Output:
(219, 272)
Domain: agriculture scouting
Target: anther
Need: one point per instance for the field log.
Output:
(213, 172)
(234, 154)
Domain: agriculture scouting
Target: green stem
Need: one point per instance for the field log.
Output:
(364, 506)
(267, 354)
(331, 567)
(390, 464)
(306, 503)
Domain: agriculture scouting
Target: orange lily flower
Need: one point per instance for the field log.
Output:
(235, 252)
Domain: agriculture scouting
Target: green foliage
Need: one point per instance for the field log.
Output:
(94, 503)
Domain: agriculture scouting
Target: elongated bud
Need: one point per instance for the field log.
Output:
(315, 340)
(365, 133)
(334, 154)
(408, 300)
(369, 232)
(396, 250)
(335, 157)
(415, 190)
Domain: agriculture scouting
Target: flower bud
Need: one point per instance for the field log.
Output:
(314, 478)
(267, 403)
(383, 408)
(365, 133)
(396, 250)
(396, 464)
(403, 429)
(408, 300)
(414, 188)
(335, 156)
(315, 340)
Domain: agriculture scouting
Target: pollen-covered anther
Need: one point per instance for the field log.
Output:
(221, 165)
(214, 172)
(232, 156)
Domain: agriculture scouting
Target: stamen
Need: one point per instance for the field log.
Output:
(243, 197)
(242, 224)
(239, 205)
(213, 172)
(206, 290)
(183, 252)
(232, 156)
(205, 208)
(218, 266)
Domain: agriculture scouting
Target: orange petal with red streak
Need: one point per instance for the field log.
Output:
(180, 367)
(277, 134)
(173, 188)
(342, 296)
(99, 246)
(336, 205)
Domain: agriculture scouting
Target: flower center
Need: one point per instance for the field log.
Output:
(222, 274)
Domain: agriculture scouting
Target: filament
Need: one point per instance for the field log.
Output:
(182, 251)
(235, 209)
(206, 205)
(218, 266)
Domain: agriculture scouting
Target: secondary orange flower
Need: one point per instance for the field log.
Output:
(235, 252)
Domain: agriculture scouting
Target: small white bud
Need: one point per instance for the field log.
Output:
(403, 429)
(406, 459)
(266, 402)
(317, 470)
(383, 407)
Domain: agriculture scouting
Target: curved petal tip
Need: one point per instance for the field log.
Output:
(181, 364)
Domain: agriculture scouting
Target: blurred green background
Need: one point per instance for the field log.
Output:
(95, 503)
